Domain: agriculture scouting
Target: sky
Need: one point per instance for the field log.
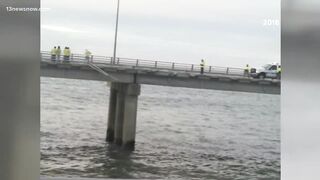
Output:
(223, 32)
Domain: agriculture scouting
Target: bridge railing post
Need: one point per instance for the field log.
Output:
(91, 58)
(227, 71)
(155, 64)
(192, 66)
(118, 60)
(71, 57)
(137, 63)
(210, 69)
(111, 60)
(172, 65)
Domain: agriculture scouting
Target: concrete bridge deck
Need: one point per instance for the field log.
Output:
(126, 70)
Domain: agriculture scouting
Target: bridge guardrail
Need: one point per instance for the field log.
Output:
(140, 63)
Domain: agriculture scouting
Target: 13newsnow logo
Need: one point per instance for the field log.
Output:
(22, 9)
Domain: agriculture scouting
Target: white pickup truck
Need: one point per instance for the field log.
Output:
(267, 71)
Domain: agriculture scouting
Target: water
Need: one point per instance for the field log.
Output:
(181, 133)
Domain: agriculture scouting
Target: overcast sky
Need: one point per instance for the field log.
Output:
(224, 32)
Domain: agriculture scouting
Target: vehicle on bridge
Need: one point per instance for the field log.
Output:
(268, 71)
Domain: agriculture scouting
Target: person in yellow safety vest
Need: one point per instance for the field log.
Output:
(202, 64)
(279, 71)
(58, 53)
(247, 70)
(53, 53)
(66, 54)
(87, 54)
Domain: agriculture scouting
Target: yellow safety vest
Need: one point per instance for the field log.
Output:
(53, 51)
(66, 52)
(279, 70)
(88, 53)
(58, 51)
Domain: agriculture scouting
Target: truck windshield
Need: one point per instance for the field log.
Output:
(267, 66)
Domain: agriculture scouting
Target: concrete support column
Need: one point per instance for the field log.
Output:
(112, 113)
(119, 112)
(130, 116)
(122, 116)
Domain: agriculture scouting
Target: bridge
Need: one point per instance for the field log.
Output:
(126, 76)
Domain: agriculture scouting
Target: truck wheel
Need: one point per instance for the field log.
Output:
(261, 76)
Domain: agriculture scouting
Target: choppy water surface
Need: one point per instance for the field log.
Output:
(181, 133)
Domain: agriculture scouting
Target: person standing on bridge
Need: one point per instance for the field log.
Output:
(58, 53)
(53, 53)
(87, 54)
(66, 54)
(279, 71)
(247, 70)
(202, 64)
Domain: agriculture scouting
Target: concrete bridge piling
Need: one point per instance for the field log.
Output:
(123, 114)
